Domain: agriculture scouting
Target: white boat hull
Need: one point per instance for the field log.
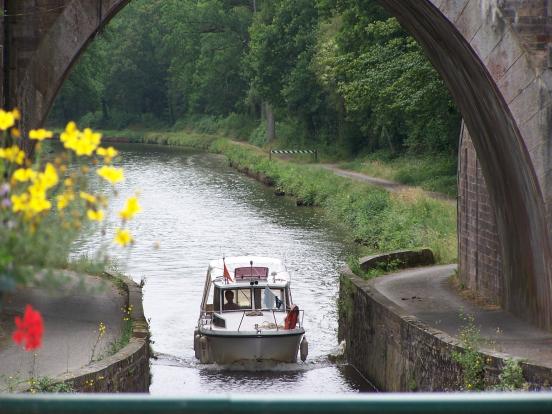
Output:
(231, 347)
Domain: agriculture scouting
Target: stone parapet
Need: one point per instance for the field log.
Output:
(398, 352)
(128, 370)
(400, 259)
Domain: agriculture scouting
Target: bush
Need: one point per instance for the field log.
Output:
(92, 119)
(469, 358)
(511, 378)
(258, 135)
(237, 126)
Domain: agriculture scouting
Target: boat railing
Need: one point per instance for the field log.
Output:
(206, 318)
(299, 320)
(243, 316)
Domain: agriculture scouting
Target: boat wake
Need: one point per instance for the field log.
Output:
(251, 366)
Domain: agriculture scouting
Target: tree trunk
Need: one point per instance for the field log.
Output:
(270, 123)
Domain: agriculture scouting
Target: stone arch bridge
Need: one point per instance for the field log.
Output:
(494, 55)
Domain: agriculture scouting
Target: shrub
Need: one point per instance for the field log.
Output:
(511, 378)
(469, 358)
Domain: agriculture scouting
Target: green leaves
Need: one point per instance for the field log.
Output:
(343, 71)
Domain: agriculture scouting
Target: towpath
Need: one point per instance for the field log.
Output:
(427, 294)
(388, 185)
(71, 314)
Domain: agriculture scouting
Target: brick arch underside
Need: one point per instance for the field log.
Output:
(505, 163)
(59, 50)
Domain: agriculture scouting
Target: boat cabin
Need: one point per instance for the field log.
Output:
(255, 283)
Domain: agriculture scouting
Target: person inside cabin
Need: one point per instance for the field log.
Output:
(230, 304)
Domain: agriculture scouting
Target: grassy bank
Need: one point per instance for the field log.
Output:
(376, 219)
(435, 173)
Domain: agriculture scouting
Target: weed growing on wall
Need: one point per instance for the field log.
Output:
(469, 357)
(47, 384)
(511, 378)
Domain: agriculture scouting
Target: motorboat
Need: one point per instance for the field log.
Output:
(247, 313)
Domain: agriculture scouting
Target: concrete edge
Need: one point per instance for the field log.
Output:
(537, 376)
(105, 375)
(403, 258)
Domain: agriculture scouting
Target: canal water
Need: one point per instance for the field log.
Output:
(195, 209)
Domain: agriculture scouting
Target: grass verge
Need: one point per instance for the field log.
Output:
(435, 173)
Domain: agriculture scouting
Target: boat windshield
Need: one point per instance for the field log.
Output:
(236, 299)
(269, 298)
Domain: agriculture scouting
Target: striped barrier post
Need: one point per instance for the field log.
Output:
(314, 152)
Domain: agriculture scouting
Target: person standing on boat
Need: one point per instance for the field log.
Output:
(230, 304)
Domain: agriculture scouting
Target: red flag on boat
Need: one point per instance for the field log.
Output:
(226, 273)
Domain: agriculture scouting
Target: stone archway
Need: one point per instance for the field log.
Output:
(485, 65)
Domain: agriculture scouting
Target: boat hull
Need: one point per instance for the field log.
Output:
(228, 348)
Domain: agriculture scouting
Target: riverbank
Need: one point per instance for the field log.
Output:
(375, 219)
(432, 173)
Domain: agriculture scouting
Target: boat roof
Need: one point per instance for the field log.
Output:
(276, 269)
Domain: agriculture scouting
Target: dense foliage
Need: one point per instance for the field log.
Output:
(341, 74)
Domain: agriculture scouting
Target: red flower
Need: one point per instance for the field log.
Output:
(29, 329)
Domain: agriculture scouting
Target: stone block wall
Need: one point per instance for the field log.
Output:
(126, 371)
(479, 256)
(399, 353)
(532, 20)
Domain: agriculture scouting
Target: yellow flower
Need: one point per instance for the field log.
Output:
(39, 203)
(111, 174)
(88, 141)
(40, 134)
(31, 203)
(12, 154)
(24, 174)
(19, 202)
(16, 114)
(70, 133)
(82, 143)
(96, 215)
(123, 237)
(49, 177)
(131, 208)
(7, 120)
(68, 182)
(64, 199)
(16, 132)
(108, 153)
(88, 197)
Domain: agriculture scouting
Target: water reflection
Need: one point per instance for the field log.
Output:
(196, 209)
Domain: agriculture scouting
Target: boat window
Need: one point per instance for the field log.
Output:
(216, 299)
(269, 298)
(236, 299)
(219, 321)
(251, 272)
